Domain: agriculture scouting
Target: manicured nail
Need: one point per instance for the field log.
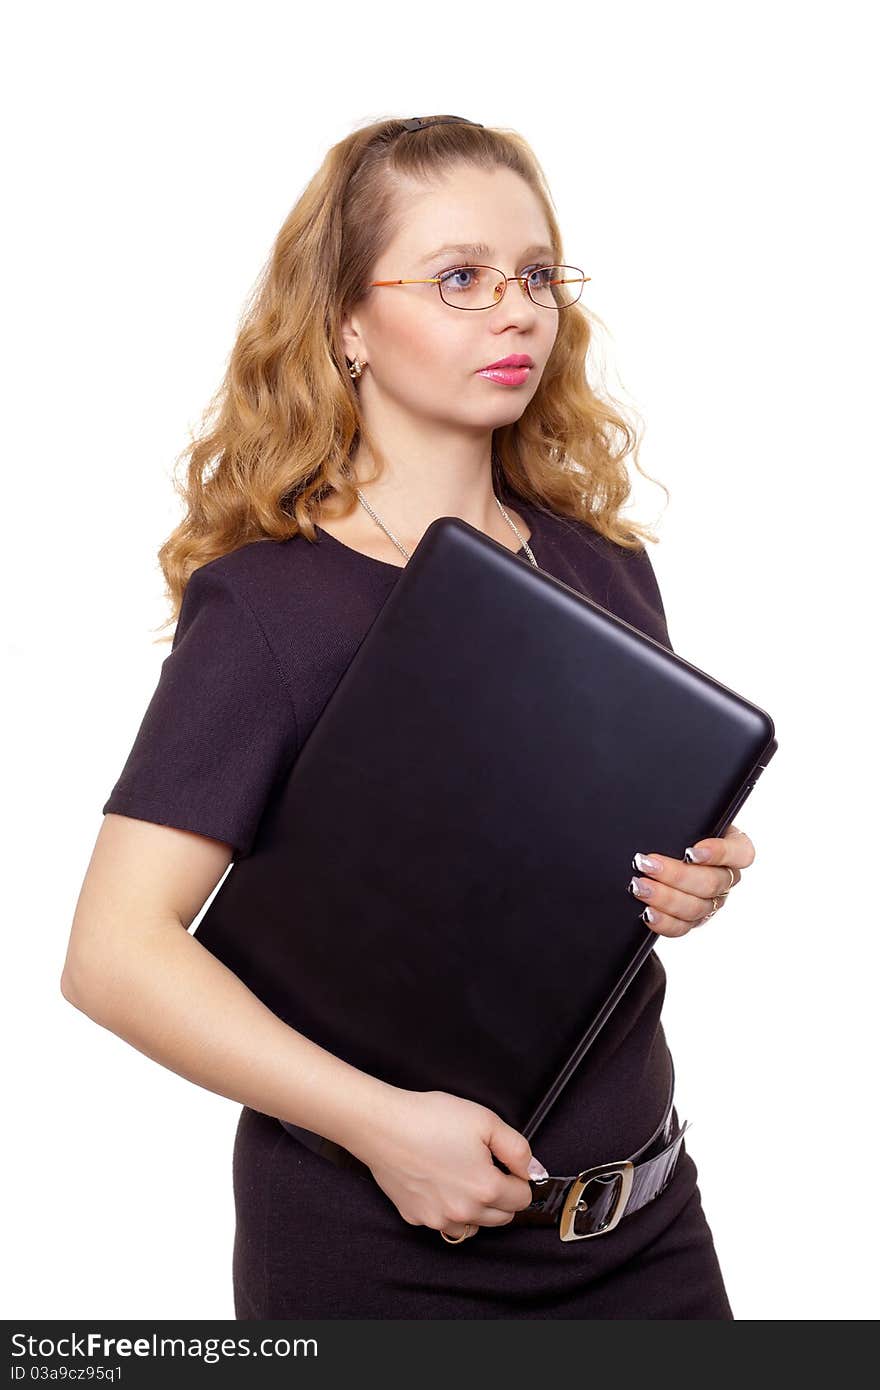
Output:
(537, 1170)
(649, 915)
(640, 888)
(697, 856)
(644, 865)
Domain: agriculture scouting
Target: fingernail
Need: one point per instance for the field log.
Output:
(537, 1170)
(643, 865)
(697, 856)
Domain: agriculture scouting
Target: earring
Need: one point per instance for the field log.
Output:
(355, 368)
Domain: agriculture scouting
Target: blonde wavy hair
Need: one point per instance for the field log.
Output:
(280, 431)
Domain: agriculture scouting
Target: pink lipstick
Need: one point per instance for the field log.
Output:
(509, 371)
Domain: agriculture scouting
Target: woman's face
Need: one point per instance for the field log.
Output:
(425, 356)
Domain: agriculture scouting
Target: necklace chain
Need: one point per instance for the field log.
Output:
(403, 550)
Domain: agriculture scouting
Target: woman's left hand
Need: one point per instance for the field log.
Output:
(679, 892)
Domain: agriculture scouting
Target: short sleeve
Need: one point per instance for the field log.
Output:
(220, 728)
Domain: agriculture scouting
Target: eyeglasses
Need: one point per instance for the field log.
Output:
(483, 286)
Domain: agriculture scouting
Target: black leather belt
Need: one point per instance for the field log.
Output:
(590, 1203)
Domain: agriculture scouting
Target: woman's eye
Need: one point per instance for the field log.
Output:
(451, 278)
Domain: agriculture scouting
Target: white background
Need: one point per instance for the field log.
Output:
(713, 168)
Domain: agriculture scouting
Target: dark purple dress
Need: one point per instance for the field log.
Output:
(263, 637)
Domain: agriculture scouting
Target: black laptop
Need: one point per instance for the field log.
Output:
(437, 895)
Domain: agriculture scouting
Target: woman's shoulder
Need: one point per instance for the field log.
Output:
(308, 599)
(621, 578)
(577, 534)
(251, 560)
(272, 588)
(268, 571)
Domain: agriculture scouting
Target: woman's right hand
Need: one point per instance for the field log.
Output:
(431, 1154)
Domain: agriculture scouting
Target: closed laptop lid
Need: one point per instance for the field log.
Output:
(437, 895)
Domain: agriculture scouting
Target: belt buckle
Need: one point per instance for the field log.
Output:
(574, 1198)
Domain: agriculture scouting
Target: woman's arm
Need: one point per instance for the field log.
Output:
(134, 968)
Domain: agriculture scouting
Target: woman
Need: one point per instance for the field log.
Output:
(357, 408)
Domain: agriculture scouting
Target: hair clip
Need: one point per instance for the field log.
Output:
(422, 122)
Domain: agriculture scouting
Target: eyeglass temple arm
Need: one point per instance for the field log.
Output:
(432, 281)
(435, 279)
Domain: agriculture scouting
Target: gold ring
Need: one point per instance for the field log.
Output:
(455, 1240)
(730, 884)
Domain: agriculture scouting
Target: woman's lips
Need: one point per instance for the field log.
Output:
(507, 376)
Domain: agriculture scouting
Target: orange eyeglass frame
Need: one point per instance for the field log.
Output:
(522, 279)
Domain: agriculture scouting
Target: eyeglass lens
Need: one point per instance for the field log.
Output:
(481, 286)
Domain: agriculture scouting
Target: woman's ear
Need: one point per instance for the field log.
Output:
(352, 343)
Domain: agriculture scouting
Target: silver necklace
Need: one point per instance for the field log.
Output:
(403, 550)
